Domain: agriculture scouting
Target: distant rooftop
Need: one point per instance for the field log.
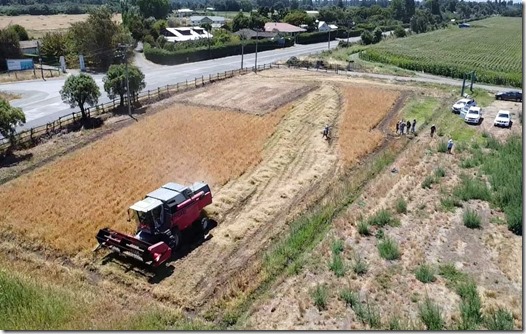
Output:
(282, 27)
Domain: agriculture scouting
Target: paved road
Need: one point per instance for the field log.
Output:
(41, 101)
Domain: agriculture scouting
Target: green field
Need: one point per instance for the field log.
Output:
(491, 47)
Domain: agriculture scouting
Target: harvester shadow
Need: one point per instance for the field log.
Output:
(12, 159)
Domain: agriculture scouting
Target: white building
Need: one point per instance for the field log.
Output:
(183, 12)
(323, 26)
(182, 34)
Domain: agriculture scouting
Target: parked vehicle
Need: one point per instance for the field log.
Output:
(503, 119)
(474, 115)
(464, 111)
(457, 107)
(509, 96)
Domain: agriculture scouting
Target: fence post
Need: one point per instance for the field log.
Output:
(148, 94)
(60, 123)
(177, 87)
(31, 135)
(202, 80)
(217, 76)
(210, 77)
(158, 91)
(167, 89)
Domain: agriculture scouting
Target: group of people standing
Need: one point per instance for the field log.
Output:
(404, 127)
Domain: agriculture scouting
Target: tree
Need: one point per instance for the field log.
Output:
(246, 5)
(115, 81)
(367, 37)
(154, 8)
(400, 32)
(20, 31)
(240, 21)
(9, 47)
(340, 4)
(10, 118)
(377, 35)
(398, 8)
(79, 90)
(298, 17)
(95, 37)
(54, 45)
(409, 10)
(294, 4)
(257, 21)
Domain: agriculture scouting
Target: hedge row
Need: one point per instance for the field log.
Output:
(161, 56)
(444, 69)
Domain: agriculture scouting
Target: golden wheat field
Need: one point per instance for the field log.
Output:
(364, 108)
(47, 22)
(62, 205)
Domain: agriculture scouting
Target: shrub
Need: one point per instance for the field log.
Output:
(454, 276)
(431, 316)
(500, 320)
(428, 181)
(379, 234)
(350, 297)
(382, 218)
(440, 172)
(320, 296)
(400, 32)
(471, 219)
(337, 265)
(401, 205)
(442, 146)
(389, 249)
(470, 306)
(360, 267)
(449, 203)
(337, 246)
(470, 188)
(425, 274)
(368, 314)
(363, 228)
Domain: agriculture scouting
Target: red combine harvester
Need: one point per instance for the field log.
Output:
(161, 217)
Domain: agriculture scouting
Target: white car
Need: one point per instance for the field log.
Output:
(503, 118)
(473, 116)
(464, 111)
(457, 107)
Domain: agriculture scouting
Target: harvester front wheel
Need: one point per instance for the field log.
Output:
(175, 239)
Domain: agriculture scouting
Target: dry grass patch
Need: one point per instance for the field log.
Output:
(364, 109)
(64, 204)
(47, 22)
(28, 75)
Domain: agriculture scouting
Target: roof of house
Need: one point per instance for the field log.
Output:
(182, 34)
(282, 27)
(213, 18)
(249, 33)
(184, 10)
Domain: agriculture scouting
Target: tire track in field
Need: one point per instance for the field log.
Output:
(296, 158)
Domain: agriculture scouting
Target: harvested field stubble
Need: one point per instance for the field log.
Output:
(364, 109)
(92, 188)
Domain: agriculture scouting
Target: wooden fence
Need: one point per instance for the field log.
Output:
(33, 136)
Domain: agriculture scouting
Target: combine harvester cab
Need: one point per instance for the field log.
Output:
(161, 217)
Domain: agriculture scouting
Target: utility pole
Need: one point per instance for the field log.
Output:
(242, 53)
(329, 39)
(125, 58)
(256, 60)
(40, 61)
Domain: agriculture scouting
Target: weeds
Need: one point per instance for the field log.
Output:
(470, 306)
(401, 205)
(500, 320)
(337, 265)
(452, 275)
(368, 314)
(470, 188)
(382, 218)
(471, 219)
(320, 296)
(428, 182)
(442, 145)
(449, 203)
(363, 228)
(380, 234)
(360, 267)
(350, 298)
(430, 315)
(425, 274)
(337, 246)
(440, 172)
(389, 249)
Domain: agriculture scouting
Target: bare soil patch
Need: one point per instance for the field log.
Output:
(248, 93)
(43, 23)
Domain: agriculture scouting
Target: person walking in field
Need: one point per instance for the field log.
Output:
(414, 126)
(397, 127)
(449, 145)
(326, 132)
(402, 126)
(433, 130)
(408, 124)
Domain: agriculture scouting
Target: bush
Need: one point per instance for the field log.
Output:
(360, 267)
(401, 205)
(428, 182)
(337, 246)
(425, 274)
(450, 203)
(400, 32)
(500, 320)
(315, 37)
(320, 296)
(431, 316)
(337, 265)
(363, 228)
(349, 297)
(382, 218)
(440, 172)
(367, 37)
(471, 219)
(389, 249)
(442, 146)
(470, 188)
(470, 306)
